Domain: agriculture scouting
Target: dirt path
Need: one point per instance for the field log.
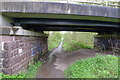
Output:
(55, 68)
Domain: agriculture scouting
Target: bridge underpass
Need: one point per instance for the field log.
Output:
(22, 40)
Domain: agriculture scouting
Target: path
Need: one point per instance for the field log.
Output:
(55, 68)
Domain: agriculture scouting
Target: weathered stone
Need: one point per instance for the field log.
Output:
(1, 54)
(107, 42)
(1, 65)
(1, 60)
(6, 46)
(22, 51)
(14, 52)
(5, 54)
(6, 63)
(7, 71)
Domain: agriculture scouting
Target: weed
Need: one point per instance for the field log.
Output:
(29, 74)
(97, 67)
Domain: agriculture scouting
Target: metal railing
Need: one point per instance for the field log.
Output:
(110, 3)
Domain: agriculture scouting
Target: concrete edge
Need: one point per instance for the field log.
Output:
(19, 31)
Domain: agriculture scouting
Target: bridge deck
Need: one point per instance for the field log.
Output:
(35, 12)
(60, 8)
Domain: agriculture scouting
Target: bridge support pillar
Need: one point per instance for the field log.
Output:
(105, 41)
(19, 48)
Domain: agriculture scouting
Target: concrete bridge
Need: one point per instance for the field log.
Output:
(22, 40)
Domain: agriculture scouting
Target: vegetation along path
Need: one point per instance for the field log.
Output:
(54, 68)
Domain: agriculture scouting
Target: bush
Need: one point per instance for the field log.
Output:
(97, 67)
(29, 74)
(75, 45)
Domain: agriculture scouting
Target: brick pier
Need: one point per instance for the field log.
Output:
(17, 52)
(108, 42)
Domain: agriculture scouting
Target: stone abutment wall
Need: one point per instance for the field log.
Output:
(17, 52)
(108, 42)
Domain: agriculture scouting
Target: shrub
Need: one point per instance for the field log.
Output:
(97, 67)
(75, 45)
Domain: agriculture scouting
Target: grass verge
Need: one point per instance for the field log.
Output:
(31, 73)
(97, 67)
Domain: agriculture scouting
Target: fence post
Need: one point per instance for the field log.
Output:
(106, 2)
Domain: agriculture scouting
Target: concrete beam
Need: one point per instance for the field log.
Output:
(5, 21)
(6, 28)
(35, 9)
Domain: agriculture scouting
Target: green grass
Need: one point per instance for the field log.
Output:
(31, 73)
(97, 67)
(32, 70)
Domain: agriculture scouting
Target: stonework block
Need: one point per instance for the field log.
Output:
(1, 54)
(6, 63)
(108, 43)
(7, 71)
(5, 46)
(15, 60)
(5, 54)
(15, 67)
(14, 53)
(1, 60)
(21, 51)
(7, 38)
(1, 65)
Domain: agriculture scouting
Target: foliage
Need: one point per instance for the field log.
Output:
(75, 45)
(29, 74)
(83, 37)
(32, 70)
(71, 39)
(97, 67)
(54, 40)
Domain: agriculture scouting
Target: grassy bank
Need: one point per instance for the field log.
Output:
(31, 73)
(97, 67)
